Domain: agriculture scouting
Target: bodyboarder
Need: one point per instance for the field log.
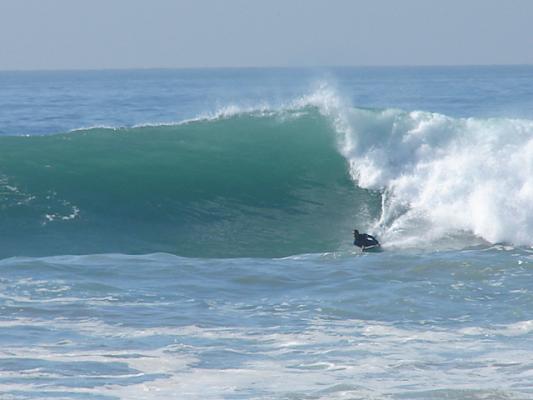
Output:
(364, 241)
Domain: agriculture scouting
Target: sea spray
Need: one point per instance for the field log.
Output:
(444, 182)
(445, 175)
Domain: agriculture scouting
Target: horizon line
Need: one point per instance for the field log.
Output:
(362, 66)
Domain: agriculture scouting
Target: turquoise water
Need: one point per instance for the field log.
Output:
(234, 183)
(186, 234)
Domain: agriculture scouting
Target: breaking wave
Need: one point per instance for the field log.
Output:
(269, 182)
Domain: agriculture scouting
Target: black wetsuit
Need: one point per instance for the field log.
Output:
(365, 240)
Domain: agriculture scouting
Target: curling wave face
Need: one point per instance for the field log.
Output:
(269, 183)
(252, 184)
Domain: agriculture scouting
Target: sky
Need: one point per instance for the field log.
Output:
(101, 34)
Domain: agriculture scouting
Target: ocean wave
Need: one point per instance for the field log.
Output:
(269, 181)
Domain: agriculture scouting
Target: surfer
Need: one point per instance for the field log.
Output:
(364, 241)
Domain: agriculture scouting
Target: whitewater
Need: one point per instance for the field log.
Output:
(187, 233)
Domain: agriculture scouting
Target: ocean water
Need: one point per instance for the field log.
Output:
(186, 234)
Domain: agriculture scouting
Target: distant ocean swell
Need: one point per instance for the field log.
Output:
(269, 183)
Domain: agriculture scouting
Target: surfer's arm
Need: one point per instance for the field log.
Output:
(373, 239)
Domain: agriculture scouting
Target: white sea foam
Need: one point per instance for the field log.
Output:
(318, 361)
(440, 175)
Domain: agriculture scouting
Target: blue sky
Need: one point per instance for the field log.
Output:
(93, 34)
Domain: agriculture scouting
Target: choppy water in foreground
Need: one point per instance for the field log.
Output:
(391, 325)
(191, 238)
